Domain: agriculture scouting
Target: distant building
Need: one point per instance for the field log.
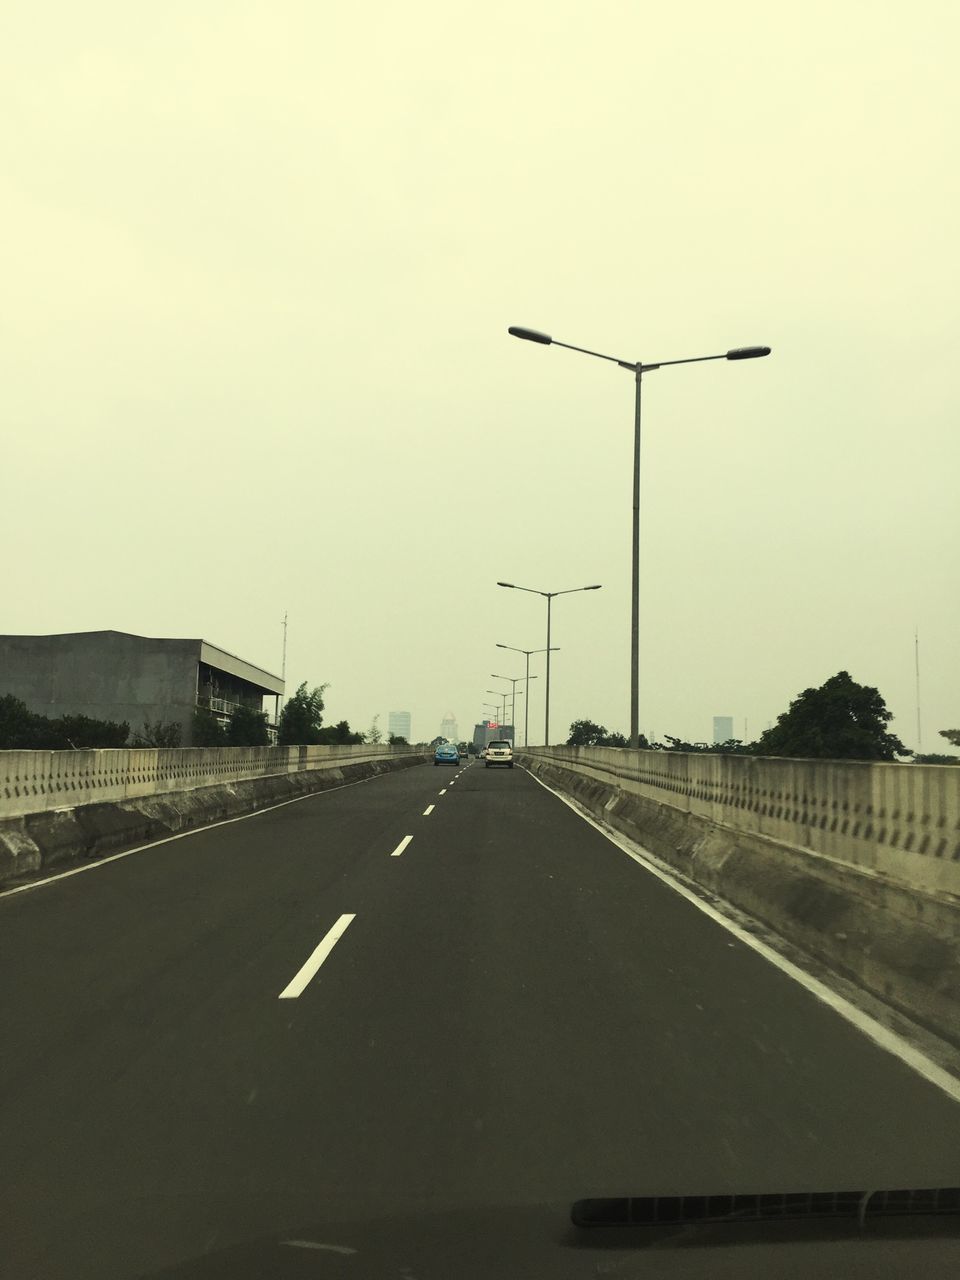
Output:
(722, 729)
(449, 728)
(112, 675)
(491, 731)
(398, 724)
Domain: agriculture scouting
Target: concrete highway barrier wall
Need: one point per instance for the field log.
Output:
(59, 805)
(857, 863)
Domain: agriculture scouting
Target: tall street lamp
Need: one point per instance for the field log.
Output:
(526, 705)
(638, 369)
(549, 598)
(513, 693)
(502, 709)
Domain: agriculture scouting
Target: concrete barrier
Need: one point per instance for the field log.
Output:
(31, 781)
(877, 902)
(139, 796)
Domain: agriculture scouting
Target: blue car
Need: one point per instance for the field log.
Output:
(446, 753)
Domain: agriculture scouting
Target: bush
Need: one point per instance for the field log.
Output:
(162, 733)
(24, 730)
(248, 728)
(207, 731)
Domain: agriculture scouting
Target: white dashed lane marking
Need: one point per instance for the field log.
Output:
(299, 983)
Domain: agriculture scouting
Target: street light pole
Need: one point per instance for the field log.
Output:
(638, 368)
(514, 681)
(502, 710)
(526, 708)
(549, 598)
(635, 579)
(546, 714)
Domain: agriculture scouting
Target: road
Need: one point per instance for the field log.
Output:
(509, 1015)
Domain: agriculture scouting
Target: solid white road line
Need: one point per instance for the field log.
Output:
(401, 846)
(295, 987)
(428, 810)
(867, 1025)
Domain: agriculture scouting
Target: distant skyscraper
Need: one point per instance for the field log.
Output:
(722, 729)
(399, 724)
(448, 727)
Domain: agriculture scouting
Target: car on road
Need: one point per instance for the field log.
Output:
(463, 753)
(498, 753)
(446, 753)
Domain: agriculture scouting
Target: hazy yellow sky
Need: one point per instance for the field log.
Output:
(258, 265)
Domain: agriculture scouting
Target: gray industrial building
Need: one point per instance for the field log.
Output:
(722, 729)
(111, 675)
(398, 724)
(489, 731)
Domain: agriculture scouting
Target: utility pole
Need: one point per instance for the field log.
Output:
(283, 664)
(916, 659)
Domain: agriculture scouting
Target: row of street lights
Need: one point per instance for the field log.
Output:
(638, 368)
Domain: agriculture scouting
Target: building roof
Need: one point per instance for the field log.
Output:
(225, 661)
(212, 654)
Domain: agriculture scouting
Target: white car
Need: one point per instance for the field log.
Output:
(498, 753)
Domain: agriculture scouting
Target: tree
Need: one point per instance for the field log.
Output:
(16, 725)
(951, 735)
(302, 717)
(83, 733)
(207, 731)
(248, 728)
(374, 733)
(842, 720)
(24, 730)
(586, 733)
(732, 747)
(161, 733)
(339, 734)
(934, 758)
(397, 740)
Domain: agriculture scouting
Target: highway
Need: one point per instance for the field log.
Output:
(438, 1003)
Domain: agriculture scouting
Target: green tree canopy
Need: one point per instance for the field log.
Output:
(586, 733)
(951, 735)
(732, 747)
(16, 725)
(842, 720)
(24, 730)
(302, 717)
(158, 733)
(339, 734)
(248, 728)
(207, 730)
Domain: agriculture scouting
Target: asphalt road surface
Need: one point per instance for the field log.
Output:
(434, 1008)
